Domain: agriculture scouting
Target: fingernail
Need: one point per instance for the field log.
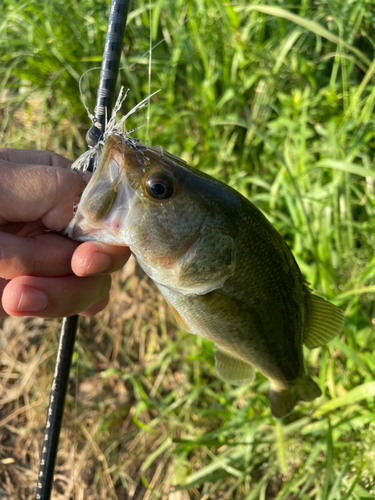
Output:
(99, 263)
(32, 300)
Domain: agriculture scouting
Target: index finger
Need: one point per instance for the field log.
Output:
(31, 157)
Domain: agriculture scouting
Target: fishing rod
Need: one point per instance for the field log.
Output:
(104, 104)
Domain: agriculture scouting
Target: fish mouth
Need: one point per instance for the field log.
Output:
(108, 205)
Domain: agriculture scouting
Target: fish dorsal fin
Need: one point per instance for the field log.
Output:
(233, 370)
(326, 322)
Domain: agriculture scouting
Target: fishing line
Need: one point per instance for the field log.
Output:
(149, 70)
(149, 51)
(109, 125)
(165, 38)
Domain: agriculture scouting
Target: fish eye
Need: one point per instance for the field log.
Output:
(160, 186)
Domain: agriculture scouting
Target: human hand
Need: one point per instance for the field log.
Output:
(44, 274)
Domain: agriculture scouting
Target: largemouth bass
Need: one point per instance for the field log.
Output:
(225, 271)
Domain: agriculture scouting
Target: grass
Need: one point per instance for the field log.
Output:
(277, 99)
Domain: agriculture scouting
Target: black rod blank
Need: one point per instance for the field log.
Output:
(69, 327)
(109, 70)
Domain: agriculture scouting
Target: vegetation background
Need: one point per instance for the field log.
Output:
(277, 99)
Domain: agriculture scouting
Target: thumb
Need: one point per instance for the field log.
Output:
(32, 192)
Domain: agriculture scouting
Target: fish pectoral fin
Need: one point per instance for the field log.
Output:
(233, 370)
(208, 263)
(179, 319)
(283, 400)
(326, 322)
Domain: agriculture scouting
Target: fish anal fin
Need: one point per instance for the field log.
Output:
(179, 319)
(232, 370)
(326, 322)
(283, 399)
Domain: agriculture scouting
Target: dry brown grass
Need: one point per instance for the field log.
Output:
(102, 446)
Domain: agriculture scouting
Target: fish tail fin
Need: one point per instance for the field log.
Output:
(307, 389)
(282, 401)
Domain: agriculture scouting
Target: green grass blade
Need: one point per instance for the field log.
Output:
(312, 26)
(337, 485)
(329, 461)
(357, 394)
(281, 448)
(351, 168)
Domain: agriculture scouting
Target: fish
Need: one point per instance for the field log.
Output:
(225, 271)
